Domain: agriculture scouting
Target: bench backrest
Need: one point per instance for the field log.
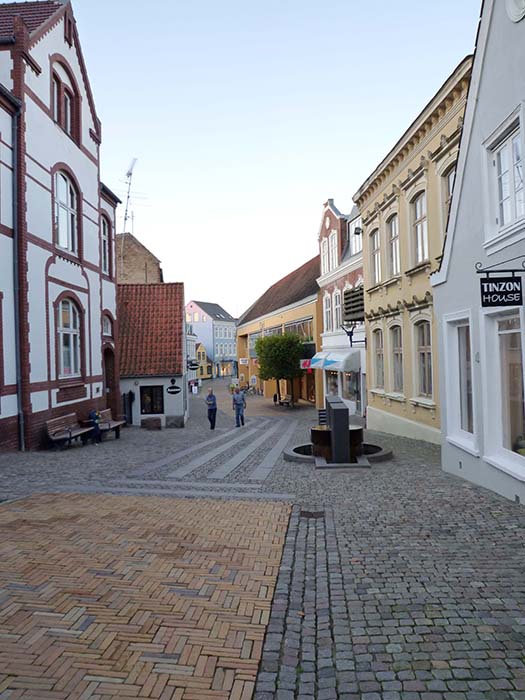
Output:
(55, 425)
(105, 415)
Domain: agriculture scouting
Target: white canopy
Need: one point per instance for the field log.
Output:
(339, 361)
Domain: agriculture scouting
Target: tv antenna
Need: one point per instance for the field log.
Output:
(129, 176)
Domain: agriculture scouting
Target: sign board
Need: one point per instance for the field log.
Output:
(193, 365)
(501, 291)
(243, 361)
(253, 380)
(305, 364)
(174, 390)
(194, 389)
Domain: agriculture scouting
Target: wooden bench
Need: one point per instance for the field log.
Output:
(65, 429)
(286, 401)
(107, 423)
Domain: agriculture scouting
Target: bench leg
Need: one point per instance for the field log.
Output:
(117, 433)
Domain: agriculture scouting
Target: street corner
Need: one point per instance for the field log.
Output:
(112, 596)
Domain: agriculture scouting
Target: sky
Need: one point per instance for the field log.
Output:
(245, 117)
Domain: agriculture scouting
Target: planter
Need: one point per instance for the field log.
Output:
(321, 437)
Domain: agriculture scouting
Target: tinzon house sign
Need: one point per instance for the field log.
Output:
(501, 291)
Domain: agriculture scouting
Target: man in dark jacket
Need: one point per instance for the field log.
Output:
(211, 402)
(239, 404)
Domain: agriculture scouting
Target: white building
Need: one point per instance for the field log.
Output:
(482, 347)
(342, 358)
(216, 330)
(57, 332)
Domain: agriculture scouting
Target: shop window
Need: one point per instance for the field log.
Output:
(379, 360)
(68, 339)
(352, 388)
(424, 358)
(397, 358)
(513, 408)
(332, 383)
(466, 409)
(151, 400)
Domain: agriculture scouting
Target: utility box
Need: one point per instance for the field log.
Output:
(338, 419)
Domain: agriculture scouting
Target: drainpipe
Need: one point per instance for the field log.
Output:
(16, 280)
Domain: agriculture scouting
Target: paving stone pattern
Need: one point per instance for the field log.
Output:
(135, 597)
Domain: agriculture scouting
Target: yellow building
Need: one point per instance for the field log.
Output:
(288, 306)
(205, 365)
(404, 208)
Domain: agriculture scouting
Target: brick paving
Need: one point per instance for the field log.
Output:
(400, 582)
(119, 597)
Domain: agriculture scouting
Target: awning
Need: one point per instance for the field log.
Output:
(338, 361)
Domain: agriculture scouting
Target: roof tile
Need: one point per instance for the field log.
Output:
(34, 14)
(151, 318)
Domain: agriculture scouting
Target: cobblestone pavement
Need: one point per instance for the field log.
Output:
(398, 582)
(135, 597)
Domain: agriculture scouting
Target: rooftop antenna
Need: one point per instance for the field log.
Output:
(129, 175)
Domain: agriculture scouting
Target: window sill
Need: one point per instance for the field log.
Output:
(378, 392)
(423, 402)
(508, 466)
(420, 267)
(463, 444)
(392, 280)
(375, 288)
(68, 382)
(395, 396)
(506, 236)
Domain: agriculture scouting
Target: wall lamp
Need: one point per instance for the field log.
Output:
(358, 231)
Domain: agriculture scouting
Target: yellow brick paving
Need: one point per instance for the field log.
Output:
(135, 597)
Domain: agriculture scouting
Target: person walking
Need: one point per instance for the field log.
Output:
(211, 402)
(239, 404)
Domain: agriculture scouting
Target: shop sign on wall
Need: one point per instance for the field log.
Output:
(501, 291)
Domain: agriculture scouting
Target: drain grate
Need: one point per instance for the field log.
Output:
(312, 514)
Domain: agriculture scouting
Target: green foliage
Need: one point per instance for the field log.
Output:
(278, 356)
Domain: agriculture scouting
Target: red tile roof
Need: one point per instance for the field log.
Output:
(34, 14)
(151, 327)
(297, 285)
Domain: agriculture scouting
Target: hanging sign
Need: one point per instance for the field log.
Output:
(173, 390)
(501, 291)
(305, 364)
(243, 361)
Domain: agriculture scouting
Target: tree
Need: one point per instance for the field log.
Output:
(279, 357)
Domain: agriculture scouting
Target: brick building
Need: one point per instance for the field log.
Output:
(135, 263)
(57, 266)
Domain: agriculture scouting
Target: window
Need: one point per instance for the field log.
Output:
(397, 358)
(509, 172)
(56, 99)
(375, 257)
(379, 359)
(201, 372)
(204, 318)
(151, 399)
(449, 179)
(68, 113)
(324, 256)
(513, 407)
(337, 310)
(107, 326)
(356, 239)
(466, 412)
(68, 339)
(301, 328)
(393, 246)
(327, 314)
(66, 219)
(188, 317)
(105, 247)
(419, 206)
(64, 102)
(195, 317)
(351, 388)
(424, 359)
(332, 246)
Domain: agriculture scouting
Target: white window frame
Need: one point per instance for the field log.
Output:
(105, 235)
(73, 333)
(107, 326)
(393, 352)
(493, 451)
(375, 256)
(379, 358)
(454, 433)
(417, 323)
(356, 240)
(332, 251)
(324, 256)
(394, 260)
(66, 233)
(499, 237)
(327, 313)
(420, 228)
(337, 310)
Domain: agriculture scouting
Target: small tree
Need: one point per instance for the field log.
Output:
(278, 357)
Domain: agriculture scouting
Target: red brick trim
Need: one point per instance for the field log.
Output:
(8, 390)
(6, 231)
(75, 94)
(9, 434)
(68, 285)
(71, 393)
(60, 253)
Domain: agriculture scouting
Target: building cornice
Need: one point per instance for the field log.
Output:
(297, 305)
(355, 263)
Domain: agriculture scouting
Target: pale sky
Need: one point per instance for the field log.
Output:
(246, 116)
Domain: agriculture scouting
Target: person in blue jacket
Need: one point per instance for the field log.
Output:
(211, 402)
(239, 404)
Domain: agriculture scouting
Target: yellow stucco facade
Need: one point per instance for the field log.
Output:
(404, 208)
(304, 315)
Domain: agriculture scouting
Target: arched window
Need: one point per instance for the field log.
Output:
(66, 213)
(424, 358)
(397, 358)
(327, 314)
(107, 326)
(65, 103)
(106, 246)
(393, 245)
(68, 339)
(375, 257)
(379, 359)
(420, 233)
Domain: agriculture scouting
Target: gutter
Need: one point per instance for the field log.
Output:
(16, 279)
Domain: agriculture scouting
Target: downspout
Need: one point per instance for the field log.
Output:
(16, 279)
